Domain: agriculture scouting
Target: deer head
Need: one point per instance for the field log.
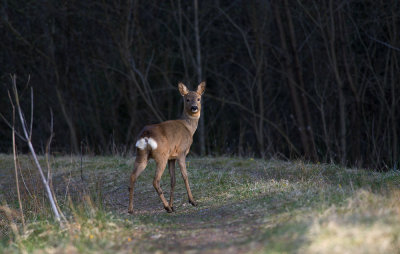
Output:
(192, 99)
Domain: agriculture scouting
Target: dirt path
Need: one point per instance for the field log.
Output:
(209, 228)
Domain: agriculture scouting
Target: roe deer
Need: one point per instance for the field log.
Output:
(168, 141)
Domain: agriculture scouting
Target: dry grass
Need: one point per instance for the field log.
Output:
(367, 223)
(245, 206)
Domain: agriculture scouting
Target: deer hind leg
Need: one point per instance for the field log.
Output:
(182, 166)
(140, 164)
(171, 167)
(156, 183)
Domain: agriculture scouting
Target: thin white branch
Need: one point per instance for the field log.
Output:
(31, 124)
(28, 139)
(383, 43)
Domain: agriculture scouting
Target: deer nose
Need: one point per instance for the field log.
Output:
(194, 108)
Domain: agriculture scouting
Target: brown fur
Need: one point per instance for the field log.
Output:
(174, 139)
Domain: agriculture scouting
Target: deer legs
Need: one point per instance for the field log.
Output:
(139, 166)
(156, 183)
(171, 167)
(182, 166)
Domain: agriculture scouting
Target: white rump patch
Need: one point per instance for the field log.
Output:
(152, 143)
(143, 142)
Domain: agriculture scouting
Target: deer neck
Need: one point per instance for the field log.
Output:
(190, 122)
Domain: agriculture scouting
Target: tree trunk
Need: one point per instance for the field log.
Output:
(293, 89)
(199, 75)
(339, 82)
(300, 81)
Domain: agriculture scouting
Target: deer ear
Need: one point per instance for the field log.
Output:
(201, 88)
(183, 89)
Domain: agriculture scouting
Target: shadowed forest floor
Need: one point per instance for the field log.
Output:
(245, 206)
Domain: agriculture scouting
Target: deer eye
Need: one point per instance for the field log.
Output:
(198, 99)
(187, 100)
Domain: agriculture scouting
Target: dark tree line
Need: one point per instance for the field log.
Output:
(311, 79)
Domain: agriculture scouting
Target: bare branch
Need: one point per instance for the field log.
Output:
(258, 115)
(243, 34)
(16, 171)
(48, 146)
(39, 167)
(31, 124)
(383, 43)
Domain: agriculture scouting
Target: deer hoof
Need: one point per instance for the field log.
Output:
(130, 211)
(192, 203)
(169, 209)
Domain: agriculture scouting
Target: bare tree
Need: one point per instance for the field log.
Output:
(199, 71)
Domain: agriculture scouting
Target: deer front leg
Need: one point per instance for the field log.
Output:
(171, 167)
(156, 183)
(139, 166)
(182, 166)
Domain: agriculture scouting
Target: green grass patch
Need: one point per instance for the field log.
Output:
(246, 205)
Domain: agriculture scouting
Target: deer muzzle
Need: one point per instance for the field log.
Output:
(194, 109)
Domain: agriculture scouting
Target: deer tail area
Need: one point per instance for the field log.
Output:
(145, 142)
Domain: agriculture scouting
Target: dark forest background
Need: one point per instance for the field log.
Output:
(295, 79)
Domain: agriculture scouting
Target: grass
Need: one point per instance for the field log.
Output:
(245, 206)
